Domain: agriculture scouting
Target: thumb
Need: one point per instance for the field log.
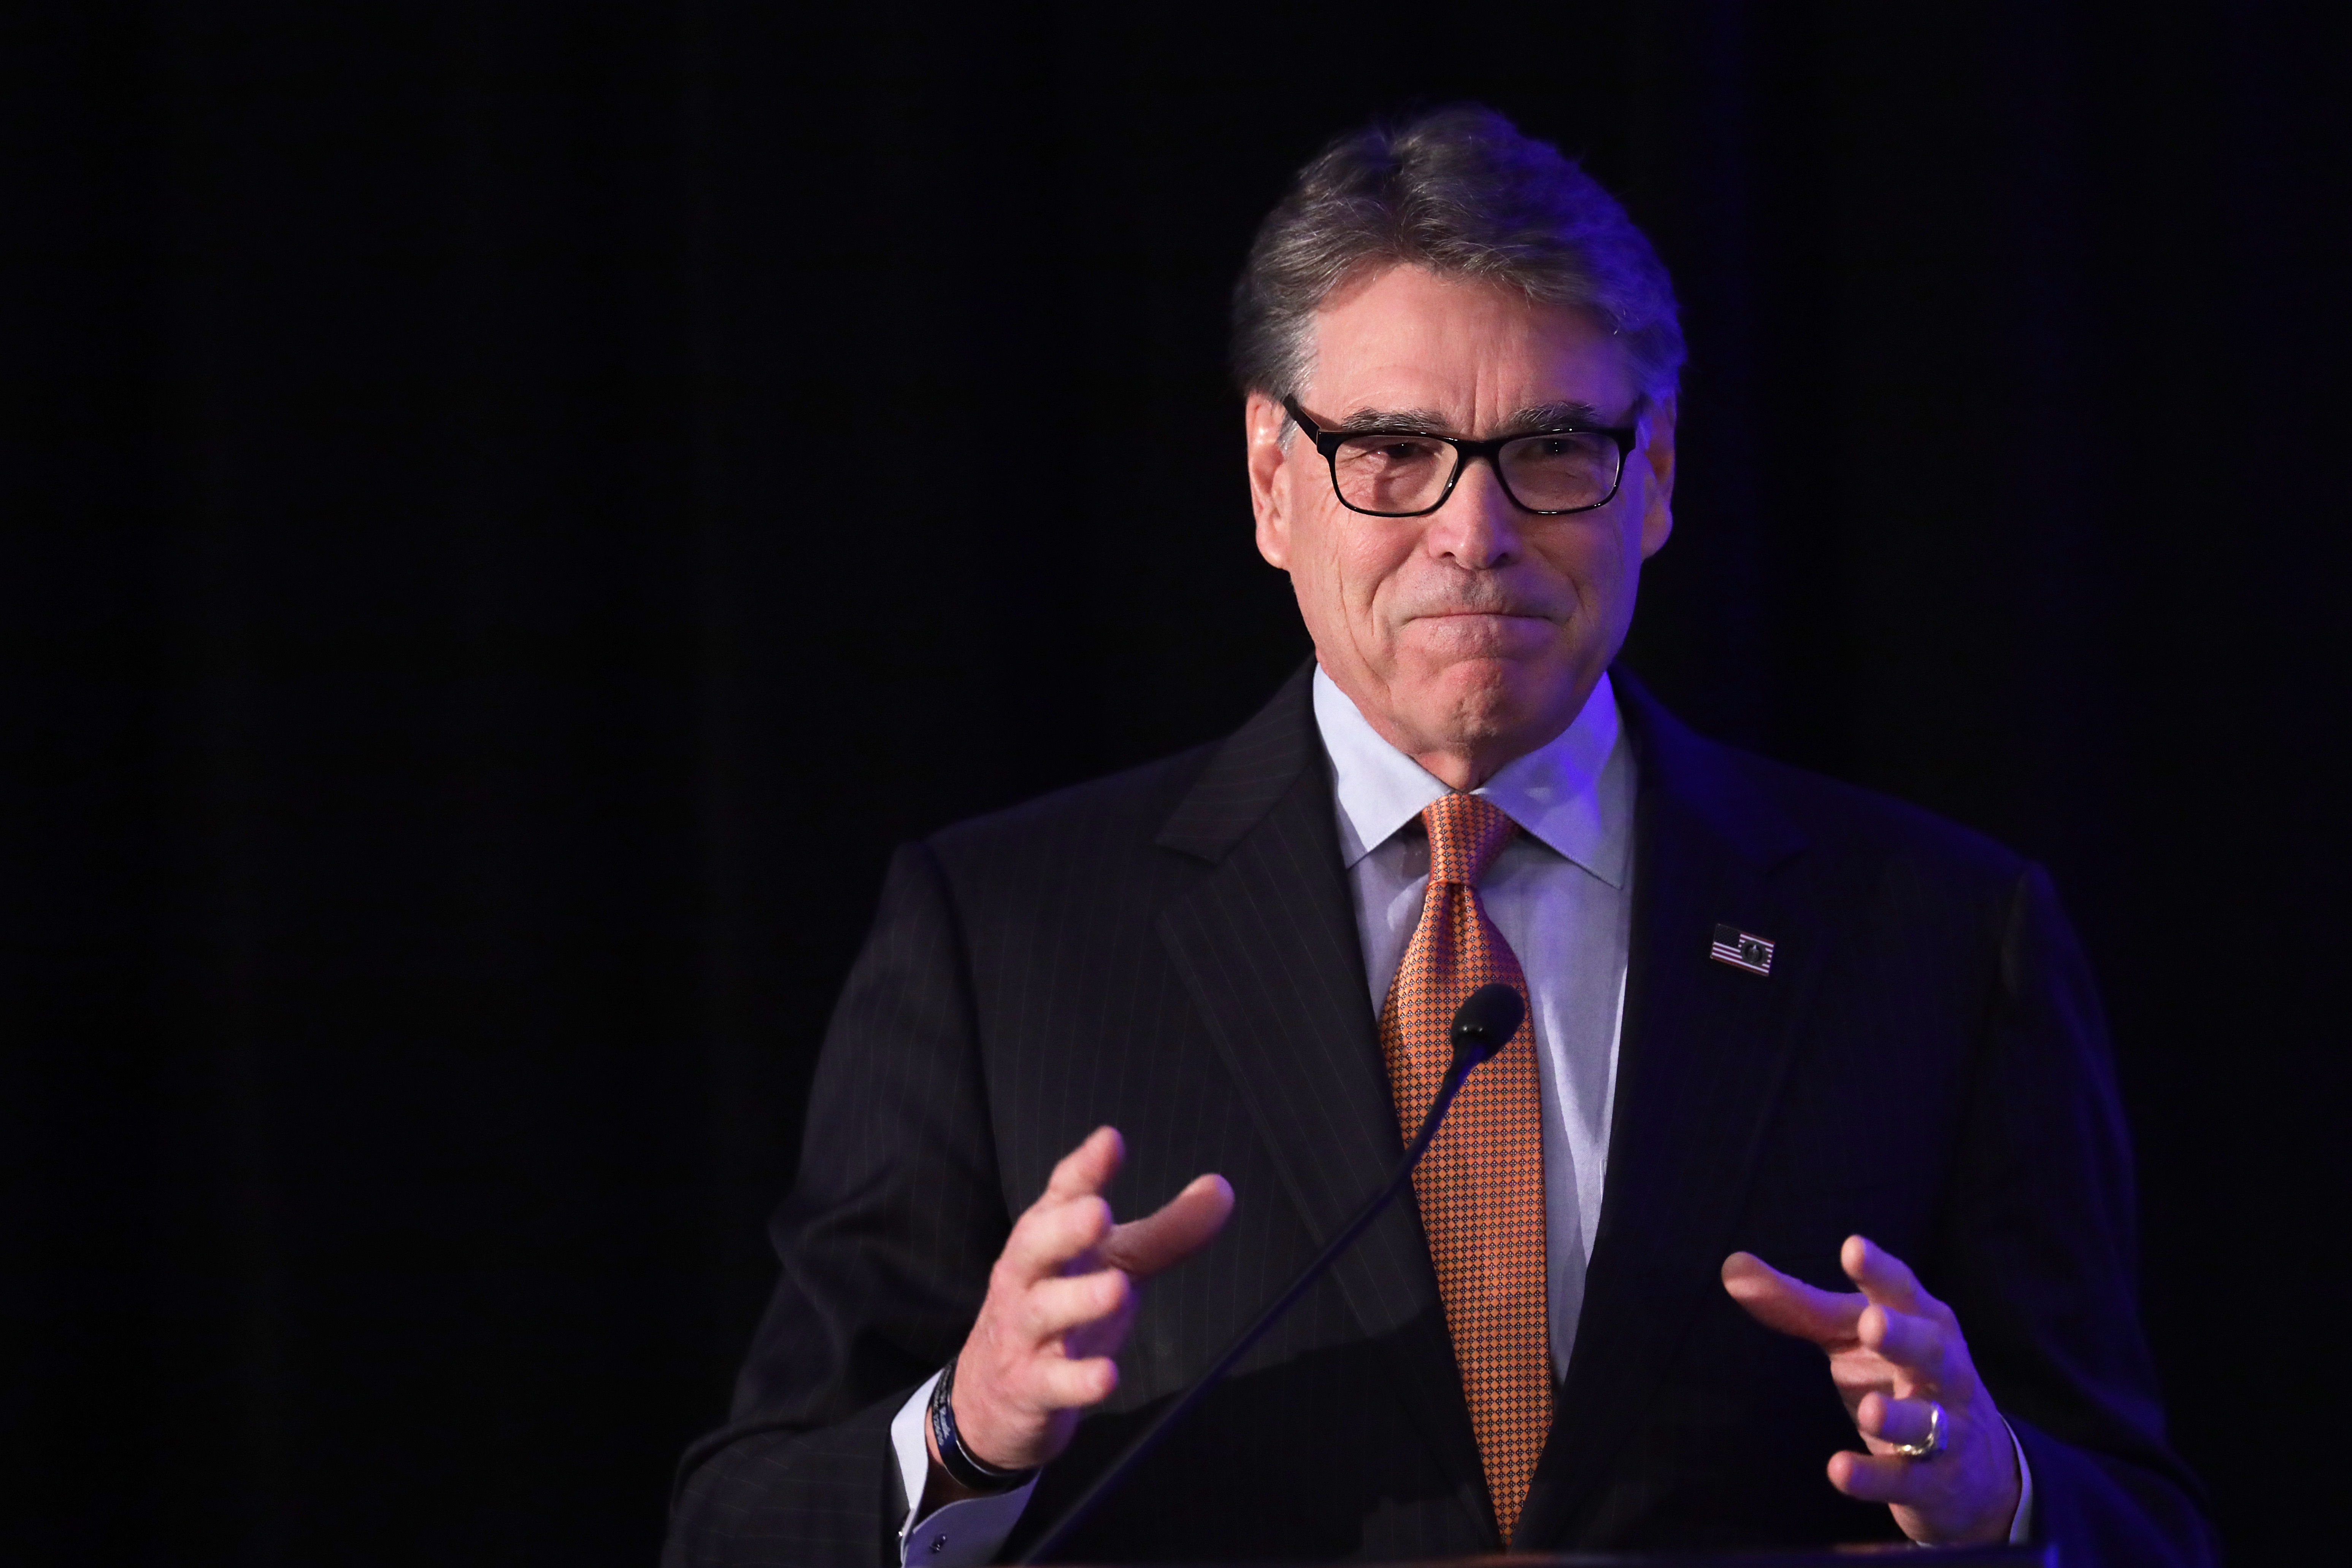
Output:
(1178, 1228)
(1789, 1305)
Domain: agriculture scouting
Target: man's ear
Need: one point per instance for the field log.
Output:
(1657, 453)
(1262, 422)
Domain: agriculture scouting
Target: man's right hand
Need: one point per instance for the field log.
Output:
(1060, 1301)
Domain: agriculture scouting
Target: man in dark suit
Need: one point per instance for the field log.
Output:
(1768, 1017)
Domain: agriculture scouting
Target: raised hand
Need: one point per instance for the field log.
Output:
(1060, 1301)
(1895, 1354)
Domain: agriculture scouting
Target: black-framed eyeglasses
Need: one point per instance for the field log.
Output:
(1410, 473)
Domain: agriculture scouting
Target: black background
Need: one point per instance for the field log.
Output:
(514, 508)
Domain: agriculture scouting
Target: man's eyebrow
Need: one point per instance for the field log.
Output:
(1552, 416)
(1368, 420)
(1535, 416)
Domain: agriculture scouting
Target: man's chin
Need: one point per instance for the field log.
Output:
(1478, 701)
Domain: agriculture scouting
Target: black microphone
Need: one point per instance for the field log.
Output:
(1481, 1025)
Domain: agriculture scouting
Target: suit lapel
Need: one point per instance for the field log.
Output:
(1266, 942)
(1704, 1050)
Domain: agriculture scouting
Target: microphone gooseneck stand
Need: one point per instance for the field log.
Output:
(1482, 1026)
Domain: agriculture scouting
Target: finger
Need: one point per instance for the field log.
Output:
(1883, 1277)
(1088, 1169)
(1051, 1236)
(1912, 1343)
(1054, 1307)
(1880, 1477)
(1789, 1305)
(1898, 1421)
(1071, 1384)
(1102, 1336)
(1178, 1228)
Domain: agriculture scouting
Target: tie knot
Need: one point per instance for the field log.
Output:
(1465, 834)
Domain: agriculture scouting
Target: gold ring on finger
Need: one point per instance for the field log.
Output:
(1933, 1444)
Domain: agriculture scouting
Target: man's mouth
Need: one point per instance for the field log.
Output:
(1507, 613)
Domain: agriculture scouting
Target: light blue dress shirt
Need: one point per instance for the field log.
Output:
(1561, 894)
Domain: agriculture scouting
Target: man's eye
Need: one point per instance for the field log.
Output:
(1551, 448)
(1569, 447)
(1377, 453)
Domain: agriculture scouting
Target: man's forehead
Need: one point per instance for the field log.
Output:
(1445, 350)
(1550, 414)
(1453, 397)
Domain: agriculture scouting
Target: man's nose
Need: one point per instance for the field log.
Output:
(1479, 524)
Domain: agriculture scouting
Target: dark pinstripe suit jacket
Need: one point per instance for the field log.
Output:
(1173, 951)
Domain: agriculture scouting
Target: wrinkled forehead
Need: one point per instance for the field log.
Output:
(1464, 351)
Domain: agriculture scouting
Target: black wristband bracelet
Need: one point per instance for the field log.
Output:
(954, 1457)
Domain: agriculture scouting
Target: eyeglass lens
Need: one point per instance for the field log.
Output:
(1402, 474)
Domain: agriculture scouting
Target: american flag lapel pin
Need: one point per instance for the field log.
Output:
(1741, 950)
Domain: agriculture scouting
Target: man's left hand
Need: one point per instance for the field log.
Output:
(1894, 1353)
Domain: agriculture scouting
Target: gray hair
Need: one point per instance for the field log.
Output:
(1460, 192)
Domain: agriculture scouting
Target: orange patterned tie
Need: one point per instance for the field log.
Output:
(1481, 1184)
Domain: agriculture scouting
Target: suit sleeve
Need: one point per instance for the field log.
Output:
(886, 1242)
(2040, 1229)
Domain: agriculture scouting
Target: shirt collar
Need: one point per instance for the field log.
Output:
(1574, 793)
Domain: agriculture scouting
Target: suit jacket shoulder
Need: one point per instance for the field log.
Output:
(1754, 799)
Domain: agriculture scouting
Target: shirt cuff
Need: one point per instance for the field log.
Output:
(2020, 1528)
(961, 1534)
